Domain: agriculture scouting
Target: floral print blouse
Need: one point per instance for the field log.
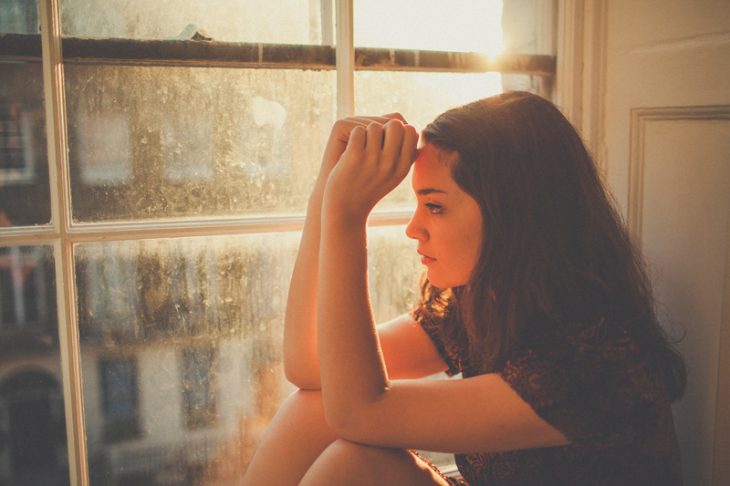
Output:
(597, 389)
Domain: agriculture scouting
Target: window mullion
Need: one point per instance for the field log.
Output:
(345, 55)
(54, 94)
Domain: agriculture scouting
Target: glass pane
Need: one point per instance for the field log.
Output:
(24, 188)
(526, 82)
(419, 97)
(19, 17)
(273, 21)
(156, 142)
(528, 26)
(181, 348)
(466, 25)
(32, 425)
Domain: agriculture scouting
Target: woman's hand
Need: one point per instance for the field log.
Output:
(375, 159)
(340, 135)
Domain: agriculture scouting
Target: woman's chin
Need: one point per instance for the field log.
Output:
(443, 282)
(439, 281)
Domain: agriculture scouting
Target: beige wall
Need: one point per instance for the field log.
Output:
(651, 80)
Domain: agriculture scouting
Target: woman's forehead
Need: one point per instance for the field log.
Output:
(432, 169)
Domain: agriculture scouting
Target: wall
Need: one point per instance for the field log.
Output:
(661, 105)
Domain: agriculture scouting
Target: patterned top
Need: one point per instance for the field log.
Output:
(597, 389)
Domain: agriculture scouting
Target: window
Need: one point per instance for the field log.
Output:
(153, 193)
(199, 386)
(119, 393)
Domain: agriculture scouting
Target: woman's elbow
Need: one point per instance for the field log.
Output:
(340, 421)
(300, 378)
(349, 422)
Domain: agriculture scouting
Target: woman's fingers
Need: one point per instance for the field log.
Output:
(374, 143)
(393, 141)
(344, 127)
(409, 149)
(357, 140)
(395, 116)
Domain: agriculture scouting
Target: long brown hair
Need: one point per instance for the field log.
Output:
(555, 253)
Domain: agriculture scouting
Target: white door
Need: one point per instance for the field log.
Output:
(664, 109)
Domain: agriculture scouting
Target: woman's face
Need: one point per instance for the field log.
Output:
(447, 222)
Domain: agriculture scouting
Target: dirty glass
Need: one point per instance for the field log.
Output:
(529, 26)
(24, 188)
(162, 142)
(419, 97)
(432, 25)
(32, 424)
(19, 17)
(272, 21)
(181, 348)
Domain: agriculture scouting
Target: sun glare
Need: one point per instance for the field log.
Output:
(458, 25)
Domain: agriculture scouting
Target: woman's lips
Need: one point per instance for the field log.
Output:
(425, 259)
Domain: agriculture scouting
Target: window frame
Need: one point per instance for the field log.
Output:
(62, 233)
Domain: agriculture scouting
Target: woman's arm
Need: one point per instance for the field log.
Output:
(361, 402)
(416, 357)
(376, 159)
(301, 365)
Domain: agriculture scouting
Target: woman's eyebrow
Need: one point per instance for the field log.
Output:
(429, 190)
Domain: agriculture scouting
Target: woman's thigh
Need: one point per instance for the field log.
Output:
(351, 464)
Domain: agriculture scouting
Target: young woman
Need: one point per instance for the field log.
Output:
(533, 292)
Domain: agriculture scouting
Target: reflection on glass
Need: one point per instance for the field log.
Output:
(466, 25)
(181, 348)
(104, 151)
(32, 425)
(24, 189)
(419, 97)
(273, 21)
(19, 17)
(156, 142)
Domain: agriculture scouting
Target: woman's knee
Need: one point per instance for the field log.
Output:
(350, 463)
(304, 400)
(302, 414)
(341, 460)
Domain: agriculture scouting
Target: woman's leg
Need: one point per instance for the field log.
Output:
(346, 463)
(295, 438)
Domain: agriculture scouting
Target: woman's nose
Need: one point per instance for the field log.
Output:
(415, 229)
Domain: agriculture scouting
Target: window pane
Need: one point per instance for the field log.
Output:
(32, 423)
(419, 97)
(465, 25)
(19, 17)
(181, 341)
(156, 142)
(119, 395)
(199, 386)
(24, 188)
(273, 21)
(528, 26)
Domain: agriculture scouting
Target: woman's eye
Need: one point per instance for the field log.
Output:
(434, 208)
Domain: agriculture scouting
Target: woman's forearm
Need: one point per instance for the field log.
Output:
(301, 364)
(352, 371)
(352, 368)
(301, 361)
